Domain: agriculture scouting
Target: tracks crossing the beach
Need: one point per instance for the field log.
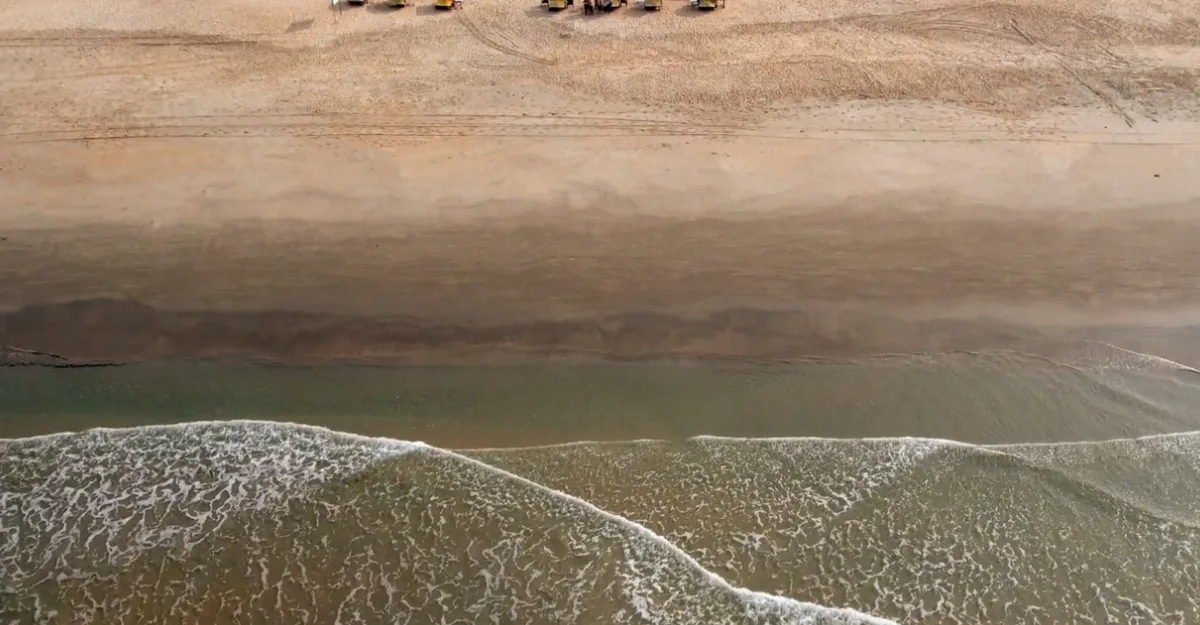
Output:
(400, 127)
(105, 39)
(1044, 57)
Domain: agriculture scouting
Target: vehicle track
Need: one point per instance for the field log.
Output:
(148, 40)
(1111, 99)
(347, 126)
(448, 126)
(972, 20)
(495, 43)
(111, 71)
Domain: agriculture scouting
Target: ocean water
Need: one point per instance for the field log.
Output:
(262, 521)
(1095, 392)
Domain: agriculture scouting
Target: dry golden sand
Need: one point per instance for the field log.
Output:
(1034, 161)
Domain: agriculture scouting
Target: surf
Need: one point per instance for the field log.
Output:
(705, 530)
(198, 492)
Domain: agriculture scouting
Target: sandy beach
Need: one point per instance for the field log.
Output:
(287, 180)
(826, 285)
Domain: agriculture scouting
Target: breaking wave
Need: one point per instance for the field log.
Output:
(267, 522)
(270, 521)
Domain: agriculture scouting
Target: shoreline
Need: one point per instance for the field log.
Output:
(98, 333)
(974, 398)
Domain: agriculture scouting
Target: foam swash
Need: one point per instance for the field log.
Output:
(270, 522)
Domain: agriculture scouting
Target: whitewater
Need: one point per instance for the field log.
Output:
(272, 522)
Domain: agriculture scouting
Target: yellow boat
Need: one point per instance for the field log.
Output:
(397, 4)
(709, 5)
(444, 5)
(558, 5)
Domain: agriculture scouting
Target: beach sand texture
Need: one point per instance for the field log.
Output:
(500, 166)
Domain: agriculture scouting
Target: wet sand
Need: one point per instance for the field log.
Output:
(824, 285)
(292, 183)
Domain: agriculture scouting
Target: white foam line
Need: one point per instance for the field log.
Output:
(714, 437)
(822, 439)
(558, 445)
(169, 427)
(1159, 360)
(702, 437)
(945, 441)
(1131, 439)
(649, 534)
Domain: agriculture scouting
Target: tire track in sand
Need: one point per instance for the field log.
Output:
(519, 126)
(495, 43)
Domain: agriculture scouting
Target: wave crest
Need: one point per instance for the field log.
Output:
(270, 521)
(267, 521)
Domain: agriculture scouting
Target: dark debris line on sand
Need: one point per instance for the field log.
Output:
(16, 357)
